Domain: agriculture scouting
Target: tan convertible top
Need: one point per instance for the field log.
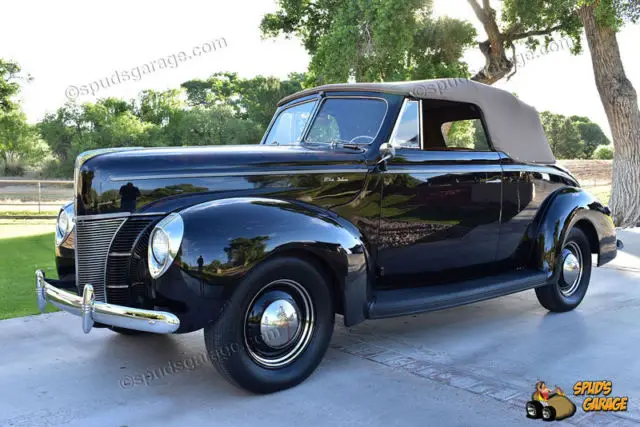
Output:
(514, 127)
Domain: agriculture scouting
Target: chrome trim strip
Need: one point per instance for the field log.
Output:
(446, 169)
(104, 216)
(90, 310)
(119, 215)
(539, 169)
(228, 174)
(420, 125)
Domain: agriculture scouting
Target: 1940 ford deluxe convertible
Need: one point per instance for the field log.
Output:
(366, 200)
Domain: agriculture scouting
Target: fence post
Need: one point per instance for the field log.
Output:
(39, 196)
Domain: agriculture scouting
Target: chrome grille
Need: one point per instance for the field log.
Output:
(93, 240)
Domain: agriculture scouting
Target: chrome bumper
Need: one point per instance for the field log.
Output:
(92, 311)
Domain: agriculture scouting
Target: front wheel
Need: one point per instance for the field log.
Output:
(275, 329)
(574, 263)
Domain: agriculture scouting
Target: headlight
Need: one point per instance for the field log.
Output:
(65, 223)
(164, 244)
(160, 246)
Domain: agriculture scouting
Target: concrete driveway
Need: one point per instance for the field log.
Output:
(468, 366)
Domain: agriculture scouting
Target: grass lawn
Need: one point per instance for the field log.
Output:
(23, 248)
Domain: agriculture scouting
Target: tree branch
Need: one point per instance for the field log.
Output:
(477, 9)
(546, 31)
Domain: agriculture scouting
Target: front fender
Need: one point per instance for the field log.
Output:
(561, 211)
(224, 239)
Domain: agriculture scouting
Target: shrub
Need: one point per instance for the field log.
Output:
(603, 152)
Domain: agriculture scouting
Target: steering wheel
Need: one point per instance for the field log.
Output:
(361, 136)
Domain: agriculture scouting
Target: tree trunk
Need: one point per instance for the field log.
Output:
(497, 65)
(620, 102)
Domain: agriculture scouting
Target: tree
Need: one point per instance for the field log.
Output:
(590, 133)
(158, 107)
(601, 20)
(563, 135)
(603, 152)
(19, 142)
(254, 99)
(373, 41)
(9, 84)
(20, 145)
(522, 20)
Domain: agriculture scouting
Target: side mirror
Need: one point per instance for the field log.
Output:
(387, 152)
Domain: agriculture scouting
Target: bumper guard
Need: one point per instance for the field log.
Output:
(91, 311)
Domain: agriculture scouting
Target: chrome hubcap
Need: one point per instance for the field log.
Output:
(571, 269)
(279, 323)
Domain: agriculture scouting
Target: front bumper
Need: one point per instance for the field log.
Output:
(91, 311)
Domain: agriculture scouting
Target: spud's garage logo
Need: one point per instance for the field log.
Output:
(549, 404)
(604, 404)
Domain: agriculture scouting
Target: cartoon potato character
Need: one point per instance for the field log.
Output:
(549, 405)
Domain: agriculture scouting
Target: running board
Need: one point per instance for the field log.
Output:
(401, 302)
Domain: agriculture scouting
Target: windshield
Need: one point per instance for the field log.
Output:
(352, 120)
(288, 127)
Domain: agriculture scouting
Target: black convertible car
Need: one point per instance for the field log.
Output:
(365, 200)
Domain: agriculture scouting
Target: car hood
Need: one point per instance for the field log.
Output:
(137, 179)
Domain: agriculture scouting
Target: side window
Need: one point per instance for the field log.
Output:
(465, 134)
(407, 130)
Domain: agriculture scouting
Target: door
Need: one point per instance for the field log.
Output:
(441, 205)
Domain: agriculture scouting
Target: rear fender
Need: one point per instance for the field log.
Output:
(560, 212)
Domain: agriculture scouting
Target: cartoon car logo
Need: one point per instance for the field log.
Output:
(549, 405)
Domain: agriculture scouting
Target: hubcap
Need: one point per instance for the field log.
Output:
(571, 269)
(279, 323)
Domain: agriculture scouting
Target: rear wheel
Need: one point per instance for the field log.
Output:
(275, 329)
(574, 263)
(548, 413)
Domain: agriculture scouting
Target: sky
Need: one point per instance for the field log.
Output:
(69, 43)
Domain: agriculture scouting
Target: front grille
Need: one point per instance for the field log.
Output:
(93, 239)
(126, 261)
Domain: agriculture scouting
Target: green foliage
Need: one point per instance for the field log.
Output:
(9, 84)
(572, 137)
(603, 152)
(253, 99)
(529, 17)
(373, 41)
(591, 134)
(461, 134)
(20, 145)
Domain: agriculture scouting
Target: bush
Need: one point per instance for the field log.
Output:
(603, 152)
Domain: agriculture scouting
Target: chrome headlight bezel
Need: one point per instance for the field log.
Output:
(172, 227)
(63, 232)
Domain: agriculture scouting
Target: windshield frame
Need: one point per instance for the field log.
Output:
(320, 99)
